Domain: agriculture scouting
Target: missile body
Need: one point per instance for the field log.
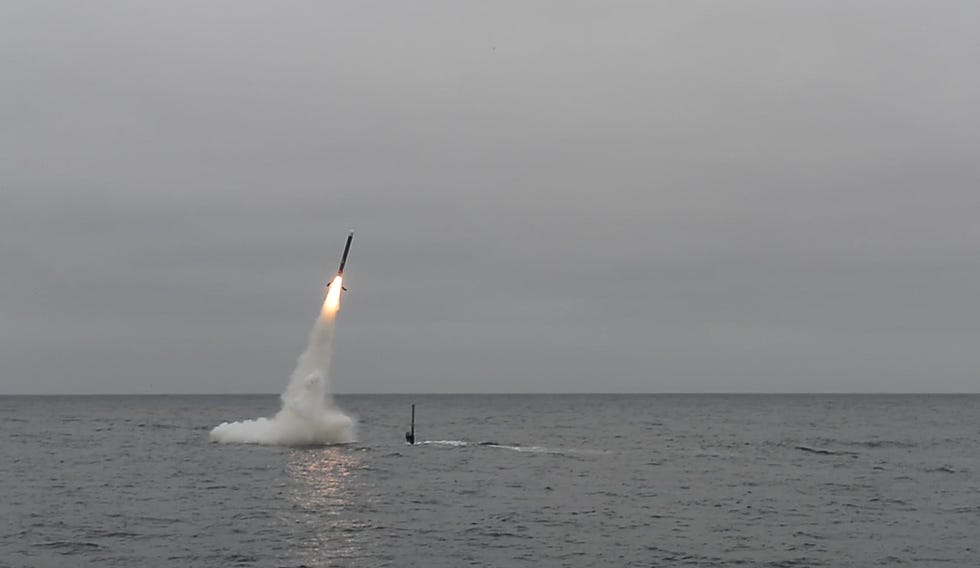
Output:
(343, 259)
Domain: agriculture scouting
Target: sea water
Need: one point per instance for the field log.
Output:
(509, 480)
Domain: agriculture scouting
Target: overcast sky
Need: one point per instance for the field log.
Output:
(547, 196)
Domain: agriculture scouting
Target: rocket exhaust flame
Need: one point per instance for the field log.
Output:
(331, 304)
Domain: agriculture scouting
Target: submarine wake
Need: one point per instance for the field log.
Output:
(308, 415)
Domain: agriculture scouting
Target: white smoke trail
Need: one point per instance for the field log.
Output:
(308, 415)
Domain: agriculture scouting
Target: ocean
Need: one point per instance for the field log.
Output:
(497, 480)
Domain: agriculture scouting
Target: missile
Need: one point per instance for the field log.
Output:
(343, 259)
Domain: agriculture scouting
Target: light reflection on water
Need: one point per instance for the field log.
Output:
(323, 493)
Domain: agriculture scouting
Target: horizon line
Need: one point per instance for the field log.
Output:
(534, 393)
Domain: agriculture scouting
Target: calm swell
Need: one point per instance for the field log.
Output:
(563, 480)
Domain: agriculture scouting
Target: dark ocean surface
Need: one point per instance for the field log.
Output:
(566, 480)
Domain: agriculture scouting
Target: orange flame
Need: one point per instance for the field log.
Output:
(332, 303)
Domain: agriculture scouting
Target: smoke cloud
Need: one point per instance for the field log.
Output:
(308, 415)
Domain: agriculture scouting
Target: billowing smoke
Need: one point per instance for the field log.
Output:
(308, 415)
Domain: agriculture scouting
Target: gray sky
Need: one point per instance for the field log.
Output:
(547, 196)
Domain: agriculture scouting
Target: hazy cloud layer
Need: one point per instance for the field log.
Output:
(550, 196)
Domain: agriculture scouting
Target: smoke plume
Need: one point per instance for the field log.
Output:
(308, 415)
